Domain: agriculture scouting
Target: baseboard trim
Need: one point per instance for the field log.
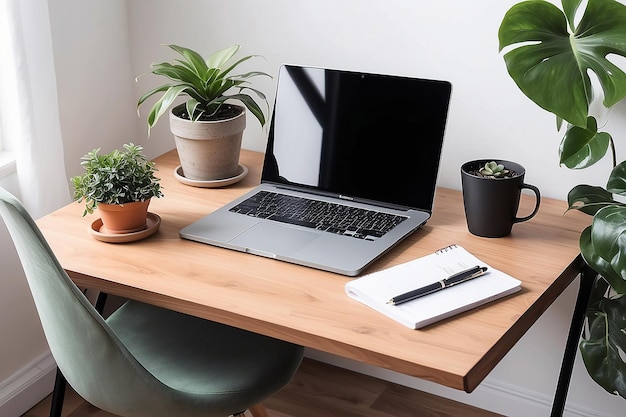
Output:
(503, 397)
(27, 387)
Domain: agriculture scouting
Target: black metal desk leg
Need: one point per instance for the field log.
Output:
(587, 278)
(101, 301)
(60, 384)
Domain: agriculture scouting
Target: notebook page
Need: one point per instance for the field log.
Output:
(376, 289)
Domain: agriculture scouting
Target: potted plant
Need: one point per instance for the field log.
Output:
(552, 53)
(120, 185)
(491, 195)
(207, 128)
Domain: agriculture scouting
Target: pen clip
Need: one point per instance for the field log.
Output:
(465, 275)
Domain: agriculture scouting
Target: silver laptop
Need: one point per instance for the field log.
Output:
(350, 170)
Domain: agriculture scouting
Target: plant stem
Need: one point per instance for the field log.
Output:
(612, 144)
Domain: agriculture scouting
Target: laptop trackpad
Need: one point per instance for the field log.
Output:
(272, 239)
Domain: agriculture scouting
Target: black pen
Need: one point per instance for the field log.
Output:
(454, 279)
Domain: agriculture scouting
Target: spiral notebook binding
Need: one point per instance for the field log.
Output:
(446, 249)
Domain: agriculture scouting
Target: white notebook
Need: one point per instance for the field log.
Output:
(376, 289)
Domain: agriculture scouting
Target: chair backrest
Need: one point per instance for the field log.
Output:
(92, 358)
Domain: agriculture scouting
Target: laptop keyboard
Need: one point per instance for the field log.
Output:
(321, 215)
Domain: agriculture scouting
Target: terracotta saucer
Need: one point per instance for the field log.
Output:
(242, 171)
(152, 225)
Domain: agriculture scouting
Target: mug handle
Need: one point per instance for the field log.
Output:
(537, 201)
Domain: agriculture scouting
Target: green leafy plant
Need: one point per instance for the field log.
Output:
(207, 82)
(116, 178)
(493, 170)
(551, 57)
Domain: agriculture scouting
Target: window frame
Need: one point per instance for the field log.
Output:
(7, 156)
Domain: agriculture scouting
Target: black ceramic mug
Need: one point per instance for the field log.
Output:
(491, 204)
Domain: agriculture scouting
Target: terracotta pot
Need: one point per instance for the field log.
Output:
(208, 150)
(123, 218)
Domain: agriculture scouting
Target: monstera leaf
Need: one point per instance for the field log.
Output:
(603, 246)
(617, 180)
(589, 199)
(551, 56)
(583, 147)
(602, 347)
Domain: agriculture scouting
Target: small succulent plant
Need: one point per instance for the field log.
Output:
(493, 170)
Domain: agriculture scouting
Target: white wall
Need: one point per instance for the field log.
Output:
(447, 39)
(100, 47)
(94, 77)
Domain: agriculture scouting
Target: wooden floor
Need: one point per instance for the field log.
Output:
(321, 390)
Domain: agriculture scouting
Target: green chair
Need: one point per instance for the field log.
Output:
(145, 360)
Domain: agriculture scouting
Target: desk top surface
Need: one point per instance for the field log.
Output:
(310, 307)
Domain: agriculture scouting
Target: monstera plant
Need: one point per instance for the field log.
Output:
(562, 59)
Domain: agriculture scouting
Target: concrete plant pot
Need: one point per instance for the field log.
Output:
(208, 150)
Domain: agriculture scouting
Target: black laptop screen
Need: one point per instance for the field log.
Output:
(363, 136)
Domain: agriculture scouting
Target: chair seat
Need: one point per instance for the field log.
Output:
(181, 351)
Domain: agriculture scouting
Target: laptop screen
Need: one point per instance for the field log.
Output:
(369, 137)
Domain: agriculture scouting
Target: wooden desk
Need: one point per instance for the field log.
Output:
(309, 307)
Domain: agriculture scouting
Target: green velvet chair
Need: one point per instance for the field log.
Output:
(145, 360)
